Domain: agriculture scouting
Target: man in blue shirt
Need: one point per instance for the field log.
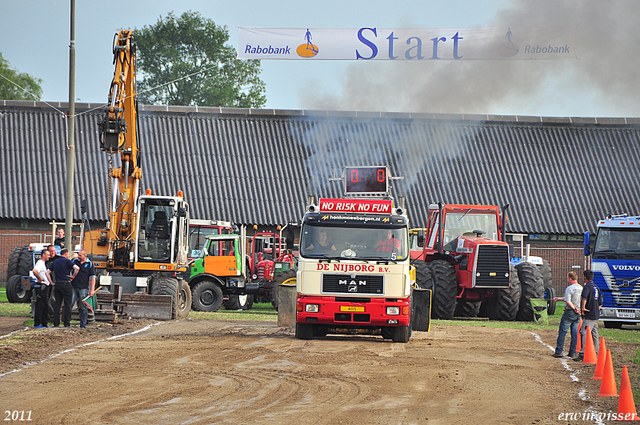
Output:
(590, 308)
(62, 267)
(83, 285)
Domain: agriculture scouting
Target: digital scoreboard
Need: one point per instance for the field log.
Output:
(366, 180)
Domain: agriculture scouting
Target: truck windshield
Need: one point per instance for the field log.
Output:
(464, 223)
(618, 241)
(356, 243)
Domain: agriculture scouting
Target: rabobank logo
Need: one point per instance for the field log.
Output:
(509, 48)
(308, 49)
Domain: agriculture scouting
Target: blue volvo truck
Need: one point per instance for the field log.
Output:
(615, 262)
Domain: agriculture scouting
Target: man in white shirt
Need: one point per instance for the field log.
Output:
(41, 290)
(570, 317)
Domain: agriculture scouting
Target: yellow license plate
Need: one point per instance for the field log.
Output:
(351, 308)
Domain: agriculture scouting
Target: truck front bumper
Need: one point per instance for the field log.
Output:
(373, 312)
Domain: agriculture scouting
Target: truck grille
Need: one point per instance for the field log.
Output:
(625, 298)
(492, 265)
(345, 284)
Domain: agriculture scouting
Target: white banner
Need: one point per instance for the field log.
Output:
(483, 43)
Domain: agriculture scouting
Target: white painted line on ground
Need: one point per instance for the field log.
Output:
(53, 356)
(9, 334)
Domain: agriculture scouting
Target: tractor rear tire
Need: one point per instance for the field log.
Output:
(445, 289)
(207, 296)
(287, 277)
(531, 286)
(25, 265)
(468, 308)
(304, 331)
(401, 334)
(504, 306)
(12, 263)
(238, 302)
(181, 304)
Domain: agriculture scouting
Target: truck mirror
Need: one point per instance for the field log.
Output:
(182, 212)
(587, 246)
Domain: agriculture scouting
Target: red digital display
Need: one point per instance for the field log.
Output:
(366, 180)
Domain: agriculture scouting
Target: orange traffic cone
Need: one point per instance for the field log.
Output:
(608, 387)
(626, 405)
(579, 339)
(589, 349)
(602, 357)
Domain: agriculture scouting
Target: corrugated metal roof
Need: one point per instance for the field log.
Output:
(258, 166)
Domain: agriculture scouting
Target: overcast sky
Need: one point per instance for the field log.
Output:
(603, 81)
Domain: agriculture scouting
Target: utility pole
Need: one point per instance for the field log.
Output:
(71, 152)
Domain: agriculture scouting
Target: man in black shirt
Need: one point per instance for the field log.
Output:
(62, 267)
(590, 308)
(83, 285)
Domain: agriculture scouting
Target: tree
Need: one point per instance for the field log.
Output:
(185, 61)
(16, 85)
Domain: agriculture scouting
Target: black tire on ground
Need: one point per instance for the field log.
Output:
(505, 304)
(207, 296)
(285, 278)
(15, 292)
(467, 308)
(304, 331)
(12, 263)
(445, 289)
(531, 286)
(613, 325)
(401, 334)
(238, 302)
(421, 303)
(169, 286)
(549, 294)
(12, 287)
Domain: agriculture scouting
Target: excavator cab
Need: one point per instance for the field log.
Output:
(162, 230)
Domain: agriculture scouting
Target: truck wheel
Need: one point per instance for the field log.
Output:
(531, 286)
(285, 278)
(401, 334)
(445, 289)
(549, 294)
(304, 331)
(468, 308)
(169, 286)
(207, 296)
(421, 302)
(238, 302)
(12, 263)
(505, 304)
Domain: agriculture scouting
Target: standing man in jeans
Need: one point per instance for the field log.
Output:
(570, 317)
(590, 308)
(62, 268)
(83, 285)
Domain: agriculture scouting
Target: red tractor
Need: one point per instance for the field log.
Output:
(271, 257)
(463, 257)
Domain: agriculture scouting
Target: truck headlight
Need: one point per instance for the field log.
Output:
(312, 308)
(393, 311)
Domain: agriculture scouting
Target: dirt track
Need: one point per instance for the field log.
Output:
(204, 371)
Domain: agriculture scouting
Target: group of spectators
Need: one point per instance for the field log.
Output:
(66, 281)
